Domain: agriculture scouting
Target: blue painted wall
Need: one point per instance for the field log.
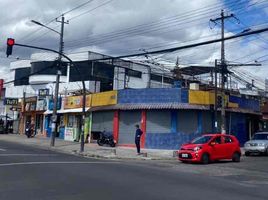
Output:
(245, 103)
(175, 138)
(239, 127)
(153, 95)
(168, 140)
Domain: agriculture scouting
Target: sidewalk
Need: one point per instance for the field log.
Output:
(90, 150)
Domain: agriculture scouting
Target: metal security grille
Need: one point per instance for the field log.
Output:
(187, 121)
(102, 121)
(206, 122)
(158, 121)
(128, 120)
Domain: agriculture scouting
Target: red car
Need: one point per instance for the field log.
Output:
(211, 147)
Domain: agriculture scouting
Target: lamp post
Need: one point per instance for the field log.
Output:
(54, 115)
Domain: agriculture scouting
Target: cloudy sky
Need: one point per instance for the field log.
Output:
(121, 27)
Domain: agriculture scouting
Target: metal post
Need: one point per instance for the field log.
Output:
(223, 130)
(54, 116)
(216, 97)
(83, 117)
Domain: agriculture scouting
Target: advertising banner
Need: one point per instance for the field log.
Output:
(69, 134)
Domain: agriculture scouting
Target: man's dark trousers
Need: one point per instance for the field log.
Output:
(137, 142)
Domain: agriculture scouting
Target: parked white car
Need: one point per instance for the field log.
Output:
(258, 144)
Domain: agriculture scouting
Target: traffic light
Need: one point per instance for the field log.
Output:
(10, 43)
(219, 101)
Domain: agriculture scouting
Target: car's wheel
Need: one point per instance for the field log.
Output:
(205, 158)
(236, 157)
(267, 151)
(247, 153)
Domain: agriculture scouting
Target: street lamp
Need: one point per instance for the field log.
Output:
(54, 116)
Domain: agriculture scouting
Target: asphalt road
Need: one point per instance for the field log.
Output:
(28, 173)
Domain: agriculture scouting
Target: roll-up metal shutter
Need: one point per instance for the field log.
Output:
(206, 122)
(102, 121)
(158, 121)
(187, 121)
(128, 120)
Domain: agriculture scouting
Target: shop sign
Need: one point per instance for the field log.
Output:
(43, 92)
(11, 101)
(69, 134)
(73, 102)
(51, 104)
(41, 104)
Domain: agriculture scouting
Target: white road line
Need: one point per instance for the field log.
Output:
(55, 162)
(2, 149)
(25, 154)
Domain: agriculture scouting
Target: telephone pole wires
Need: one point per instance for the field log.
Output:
(223, 69)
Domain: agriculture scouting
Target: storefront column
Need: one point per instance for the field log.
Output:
(199, 119)
(174, 119)
(116, 125)
(143, 127)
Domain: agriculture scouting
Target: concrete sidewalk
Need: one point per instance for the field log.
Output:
(90, 150)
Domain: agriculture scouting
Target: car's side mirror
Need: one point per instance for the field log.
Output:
(212, 143)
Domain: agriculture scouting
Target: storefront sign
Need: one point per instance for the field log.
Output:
(69, 134)
(51, 104)
(73, 102)
(30, 104)
(104, 98)
(43, 92)
(11, 101)
(41, 104)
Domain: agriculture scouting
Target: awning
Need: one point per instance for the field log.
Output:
(74, 110)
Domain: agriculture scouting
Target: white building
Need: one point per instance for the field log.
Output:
(30, 76)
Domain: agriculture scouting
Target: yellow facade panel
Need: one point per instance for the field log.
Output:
(200, 97)
(104, 98)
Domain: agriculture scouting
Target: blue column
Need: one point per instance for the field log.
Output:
(199, 120)
(174, 119)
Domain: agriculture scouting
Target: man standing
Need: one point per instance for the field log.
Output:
(138, 138)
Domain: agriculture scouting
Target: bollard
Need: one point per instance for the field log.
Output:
(175, 154)
(113, 151)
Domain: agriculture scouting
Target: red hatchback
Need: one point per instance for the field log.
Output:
(211, 147)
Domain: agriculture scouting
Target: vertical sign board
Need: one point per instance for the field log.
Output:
(69, 134)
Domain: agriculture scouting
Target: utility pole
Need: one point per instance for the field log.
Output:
(223, 68)
(54, 116)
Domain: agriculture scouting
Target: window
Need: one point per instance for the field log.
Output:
(22, 76)
(217, 140)
(158, 78)
(81, 70)
(133, 73)
(48, 68)
(228, 139)
(71, 120)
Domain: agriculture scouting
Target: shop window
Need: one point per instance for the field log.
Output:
(71, 121)
(133, 73)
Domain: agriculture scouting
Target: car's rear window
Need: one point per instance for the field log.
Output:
(201, 140)
(259, 136)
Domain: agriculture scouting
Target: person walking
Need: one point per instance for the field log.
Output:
(138, 139)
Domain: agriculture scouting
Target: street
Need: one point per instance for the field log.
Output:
(32, 173)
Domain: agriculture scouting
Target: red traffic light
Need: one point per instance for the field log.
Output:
(10, 41)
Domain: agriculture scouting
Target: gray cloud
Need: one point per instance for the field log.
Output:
(101, 29)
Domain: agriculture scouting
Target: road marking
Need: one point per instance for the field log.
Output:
(2, 149)
(55, 162)
(25, 154)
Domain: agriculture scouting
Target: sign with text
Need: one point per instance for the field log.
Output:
(43, 92)
(11, 101)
